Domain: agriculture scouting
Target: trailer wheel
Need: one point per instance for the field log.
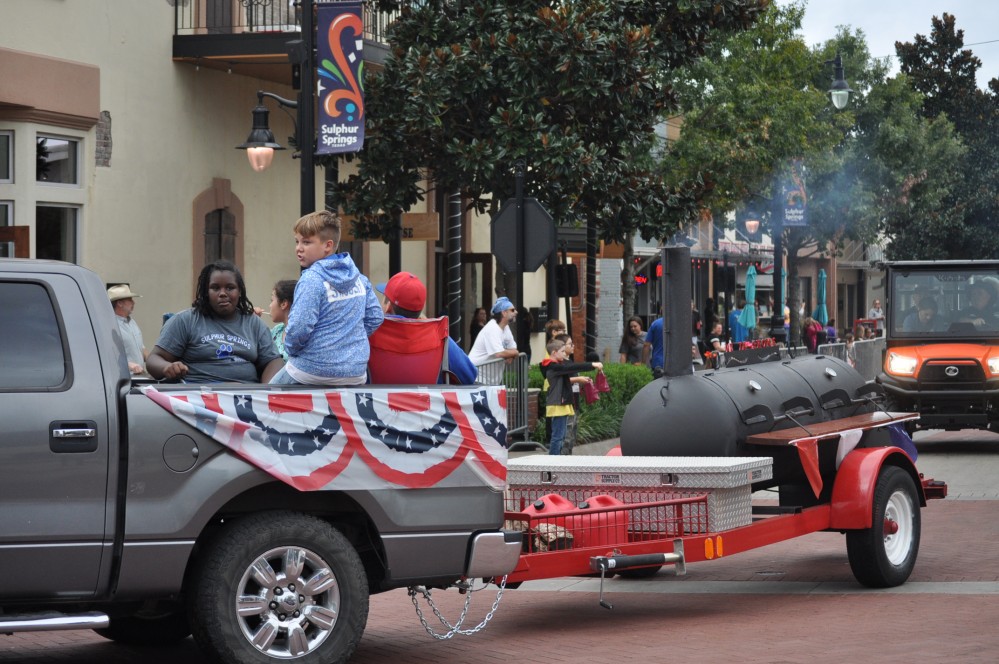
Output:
(883, 555)
(279, 586)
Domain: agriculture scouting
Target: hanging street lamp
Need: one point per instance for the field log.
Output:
(840, 91)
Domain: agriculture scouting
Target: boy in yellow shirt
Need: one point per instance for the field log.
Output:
(558, 405)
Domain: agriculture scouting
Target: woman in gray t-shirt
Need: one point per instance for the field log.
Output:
(219, 339)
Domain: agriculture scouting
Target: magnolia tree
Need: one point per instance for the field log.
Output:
(572, 89)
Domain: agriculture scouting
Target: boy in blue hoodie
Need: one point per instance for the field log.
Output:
(334, 311)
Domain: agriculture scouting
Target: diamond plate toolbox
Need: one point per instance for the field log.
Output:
(725, 480)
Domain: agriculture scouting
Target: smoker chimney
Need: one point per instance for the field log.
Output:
(677, 321)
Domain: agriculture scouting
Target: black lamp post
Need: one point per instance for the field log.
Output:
(260, 144)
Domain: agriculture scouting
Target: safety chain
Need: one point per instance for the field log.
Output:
(455, 628)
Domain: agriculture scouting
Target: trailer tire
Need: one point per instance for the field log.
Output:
(279, 586)
(884, 555)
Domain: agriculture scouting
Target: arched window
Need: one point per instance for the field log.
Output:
(218, 226)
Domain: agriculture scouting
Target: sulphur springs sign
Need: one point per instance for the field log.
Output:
(340, 69)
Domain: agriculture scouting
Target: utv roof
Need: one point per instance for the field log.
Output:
(940, 264)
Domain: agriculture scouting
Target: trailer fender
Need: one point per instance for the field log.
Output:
(853, 489)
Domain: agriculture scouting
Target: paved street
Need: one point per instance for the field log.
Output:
(790, 602)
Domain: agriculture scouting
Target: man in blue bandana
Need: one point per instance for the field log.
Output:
(496, 341)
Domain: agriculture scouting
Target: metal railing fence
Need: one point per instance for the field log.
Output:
(227, 17)
(514, 376)
(867, 355)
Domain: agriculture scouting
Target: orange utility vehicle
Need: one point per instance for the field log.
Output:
(942, 343)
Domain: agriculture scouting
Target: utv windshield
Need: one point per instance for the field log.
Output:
(944, 303)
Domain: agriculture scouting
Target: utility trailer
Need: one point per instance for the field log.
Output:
(633, 515)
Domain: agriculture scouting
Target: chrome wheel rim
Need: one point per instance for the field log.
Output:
(287, 602)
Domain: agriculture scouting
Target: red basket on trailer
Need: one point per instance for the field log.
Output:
(592, 520)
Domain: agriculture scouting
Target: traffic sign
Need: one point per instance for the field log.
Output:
(537, 236)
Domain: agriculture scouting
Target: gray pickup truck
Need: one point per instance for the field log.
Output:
(118, 515)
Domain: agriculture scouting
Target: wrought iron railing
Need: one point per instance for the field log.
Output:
(227, 17)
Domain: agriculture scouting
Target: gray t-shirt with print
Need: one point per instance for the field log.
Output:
(217, 350)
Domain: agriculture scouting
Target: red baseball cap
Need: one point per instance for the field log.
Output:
(405, 290)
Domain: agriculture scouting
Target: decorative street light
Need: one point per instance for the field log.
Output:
(840, 90)
(260, 144)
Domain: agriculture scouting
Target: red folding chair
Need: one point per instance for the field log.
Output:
(408, 351)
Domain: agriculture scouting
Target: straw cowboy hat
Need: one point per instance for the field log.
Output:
(121, 292)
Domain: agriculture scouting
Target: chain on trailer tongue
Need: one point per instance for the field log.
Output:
(466, 588)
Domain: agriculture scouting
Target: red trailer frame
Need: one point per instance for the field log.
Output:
(875, 499)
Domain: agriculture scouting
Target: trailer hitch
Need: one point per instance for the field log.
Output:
(603, 564)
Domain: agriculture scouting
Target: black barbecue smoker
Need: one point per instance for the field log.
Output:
(719, 412)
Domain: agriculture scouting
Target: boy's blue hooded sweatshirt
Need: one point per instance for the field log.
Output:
(334, 310)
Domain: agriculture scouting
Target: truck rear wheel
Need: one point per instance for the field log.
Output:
(883, 555)
(276, 587)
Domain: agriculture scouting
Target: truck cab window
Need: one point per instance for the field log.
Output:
(31, 355)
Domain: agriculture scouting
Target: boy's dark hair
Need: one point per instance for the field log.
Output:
(564, 338)
(323, 223)
(554, 345)
(285, 290)
(201, 302)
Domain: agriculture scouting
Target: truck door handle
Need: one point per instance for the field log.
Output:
(74, 433)
(73, 437)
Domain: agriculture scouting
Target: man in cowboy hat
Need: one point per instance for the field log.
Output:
(122, 299)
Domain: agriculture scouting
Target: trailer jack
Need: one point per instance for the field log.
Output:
(604, 563)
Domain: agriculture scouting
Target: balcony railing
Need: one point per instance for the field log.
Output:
(228, 17)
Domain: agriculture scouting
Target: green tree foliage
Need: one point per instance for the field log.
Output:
(759, 100)
(944, 72)
(572, 88)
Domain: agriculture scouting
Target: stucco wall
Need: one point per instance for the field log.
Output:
(174, 128)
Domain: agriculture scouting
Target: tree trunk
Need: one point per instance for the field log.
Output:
(628, 290)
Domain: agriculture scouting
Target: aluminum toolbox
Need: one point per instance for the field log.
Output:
(725, 480)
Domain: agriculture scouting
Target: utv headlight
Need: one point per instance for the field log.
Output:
(904, 365)
(994, 365)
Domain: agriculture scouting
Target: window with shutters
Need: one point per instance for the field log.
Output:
(220, 236)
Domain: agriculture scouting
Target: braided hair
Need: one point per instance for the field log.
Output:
(201, 302)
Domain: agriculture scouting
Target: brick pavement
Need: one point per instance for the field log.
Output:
(789, 602)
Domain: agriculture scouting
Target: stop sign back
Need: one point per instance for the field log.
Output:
(537, 235)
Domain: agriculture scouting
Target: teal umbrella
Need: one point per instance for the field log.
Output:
(820, 314)
(748, 316)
